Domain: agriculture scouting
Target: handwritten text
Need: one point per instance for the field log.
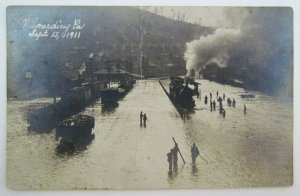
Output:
(57, 30)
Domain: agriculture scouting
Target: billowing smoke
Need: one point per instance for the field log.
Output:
(214, 48)
(263, 42)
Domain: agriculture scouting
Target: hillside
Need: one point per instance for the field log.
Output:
(115, 32)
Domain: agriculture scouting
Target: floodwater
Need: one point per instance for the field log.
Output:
(252, 150)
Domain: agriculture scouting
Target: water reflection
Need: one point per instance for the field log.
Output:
(185, 116)
(143, 125)
(194, 169)
(74, 147)
(107, 109)
(172, 174)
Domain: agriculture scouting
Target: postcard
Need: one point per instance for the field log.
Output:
(149, 97)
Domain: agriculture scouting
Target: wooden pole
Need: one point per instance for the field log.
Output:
(179, 151)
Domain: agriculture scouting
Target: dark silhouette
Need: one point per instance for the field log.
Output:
(175, 155)
(220, 104)
(223, 96)
(145, 119)
(211, 105)
(214, 105)
(229, 102)
(210, 95)
(184, 115)
(194, 152)
(141, 117)
(205, 99)
(224, 113)
(233, 103)
(245, 109)
(170, 159)
(217, 94)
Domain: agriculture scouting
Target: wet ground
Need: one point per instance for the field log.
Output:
(239, 150)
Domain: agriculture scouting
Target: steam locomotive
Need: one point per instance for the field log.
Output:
(182, 92)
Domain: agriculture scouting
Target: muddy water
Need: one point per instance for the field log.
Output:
(239, 150)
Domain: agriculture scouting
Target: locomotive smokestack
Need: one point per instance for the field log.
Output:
(190, 76)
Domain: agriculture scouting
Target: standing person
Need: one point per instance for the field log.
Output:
(245, 109)
(141, 117)
(224, 113)
(205, 99)
(220, 104)
(145, 119)
(175, 155)
(233, 103)
(224, 96)
(170, 159)
(229, 102)
(214, 105)
(211, 105)
(195, 152)
(210, 95)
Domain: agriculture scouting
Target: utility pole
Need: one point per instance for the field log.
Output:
(141, 44)
(91, 64)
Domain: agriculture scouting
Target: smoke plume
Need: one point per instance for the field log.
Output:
(215, 48)
(263, 42)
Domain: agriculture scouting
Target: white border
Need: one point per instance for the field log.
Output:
(289, 191)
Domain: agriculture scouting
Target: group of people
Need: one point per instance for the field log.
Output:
(173, 156)
(143, 118)
(220, 100)
(229, 102)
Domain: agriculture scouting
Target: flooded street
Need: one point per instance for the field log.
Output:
(252, 150)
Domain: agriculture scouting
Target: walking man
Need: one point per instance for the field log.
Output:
(195, 152)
